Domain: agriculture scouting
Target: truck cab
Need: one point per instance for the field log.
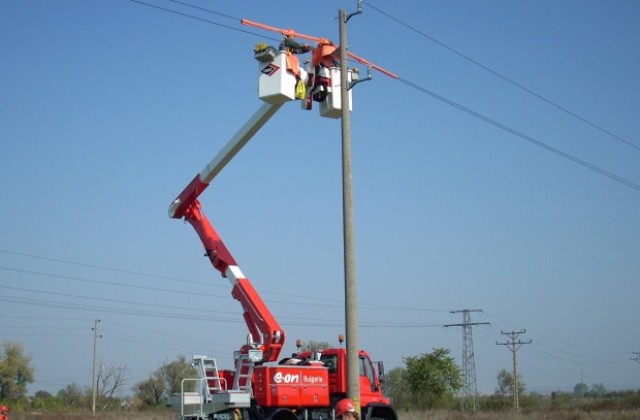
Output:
(373, 402)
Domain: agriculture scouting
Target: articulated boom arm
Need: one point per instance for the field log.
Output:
(266, 333)
(265, 330)
(215, 249)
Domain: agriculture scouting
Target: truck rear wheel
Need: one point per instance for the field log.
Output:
(282, 414)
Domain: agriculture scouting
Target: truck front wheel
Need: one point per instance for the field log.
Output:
(379, 412)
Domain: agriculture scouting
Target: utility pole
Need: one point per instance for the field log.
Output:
(350, 289)
(514, 344)
(468, 355)
(95, 340)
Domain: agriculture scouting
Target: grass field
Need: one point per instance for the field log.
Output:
(538, 415)
(430, 415)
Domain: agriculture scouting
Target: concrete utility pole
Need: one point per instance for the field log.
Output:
(350, 289)
(514, 345)
(93, 381)
(468, 355)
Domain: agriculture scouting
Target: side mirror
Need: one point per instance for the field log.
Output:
(381, 371)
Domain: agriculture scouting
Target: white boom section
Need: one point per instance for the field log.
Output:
(233, 146)
(237, 142)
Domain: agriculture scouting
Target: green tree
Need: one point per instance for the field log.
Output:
(71, 396)
(151, 391)
(580, 390)
(505, 383)
(598, 390)
(43, 400)
(174, 372)
(312, 345)
(44, 395)
(166, 380)
(15, 372)
(395, 387)
(432, 379)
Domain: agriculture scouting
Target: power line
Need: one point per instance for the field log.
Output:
(193, 6)
(505, 78)
(111, 283)
(176, 12)
(135, 303)
(292, 321)
(330, 301)
(306, 321)
(594, 352)
(523, 136)
(122, 311)
(100, 267)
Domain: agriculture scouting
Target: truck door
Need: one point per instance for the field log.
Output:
(369, 389)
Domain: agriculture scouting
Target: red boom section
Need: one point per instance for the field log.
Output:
(262, 325)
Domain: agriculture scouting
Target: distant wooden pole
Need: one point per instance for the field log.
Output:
(95, 341)
(514, 345)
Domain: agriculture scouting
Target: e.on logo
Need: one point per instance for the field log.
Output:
(289, 378)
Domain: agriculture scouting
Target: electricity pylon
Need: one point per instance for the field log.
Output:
(468, 356)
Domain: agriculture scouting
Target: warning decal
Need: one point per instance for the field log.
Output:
(270, 69)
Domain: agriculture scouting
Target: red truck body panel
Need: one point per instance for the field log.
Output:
(291, 386)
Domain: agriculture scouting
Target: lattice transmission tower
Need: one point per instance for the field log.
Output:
(468, 356)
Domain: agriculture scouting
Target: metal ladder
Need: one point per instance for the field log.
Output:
(244, 373)
(208, 370)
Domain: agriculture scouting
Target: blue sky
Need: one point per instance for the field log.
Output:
(108, 109)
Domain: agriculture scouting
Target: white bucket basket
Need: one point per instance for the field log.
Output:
(275, 83)
(331, 107)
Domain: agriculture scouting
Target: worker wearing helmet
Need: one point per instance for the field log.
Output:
(4, 410)
(346, 410)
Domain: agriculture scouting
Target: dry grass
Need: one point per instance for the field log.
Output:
(536, 415)
(403, 415)
(82, 416)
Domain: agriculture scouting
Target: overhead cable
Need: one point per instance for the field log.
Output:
(176, 12)
(503, 77)
(522, 135)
